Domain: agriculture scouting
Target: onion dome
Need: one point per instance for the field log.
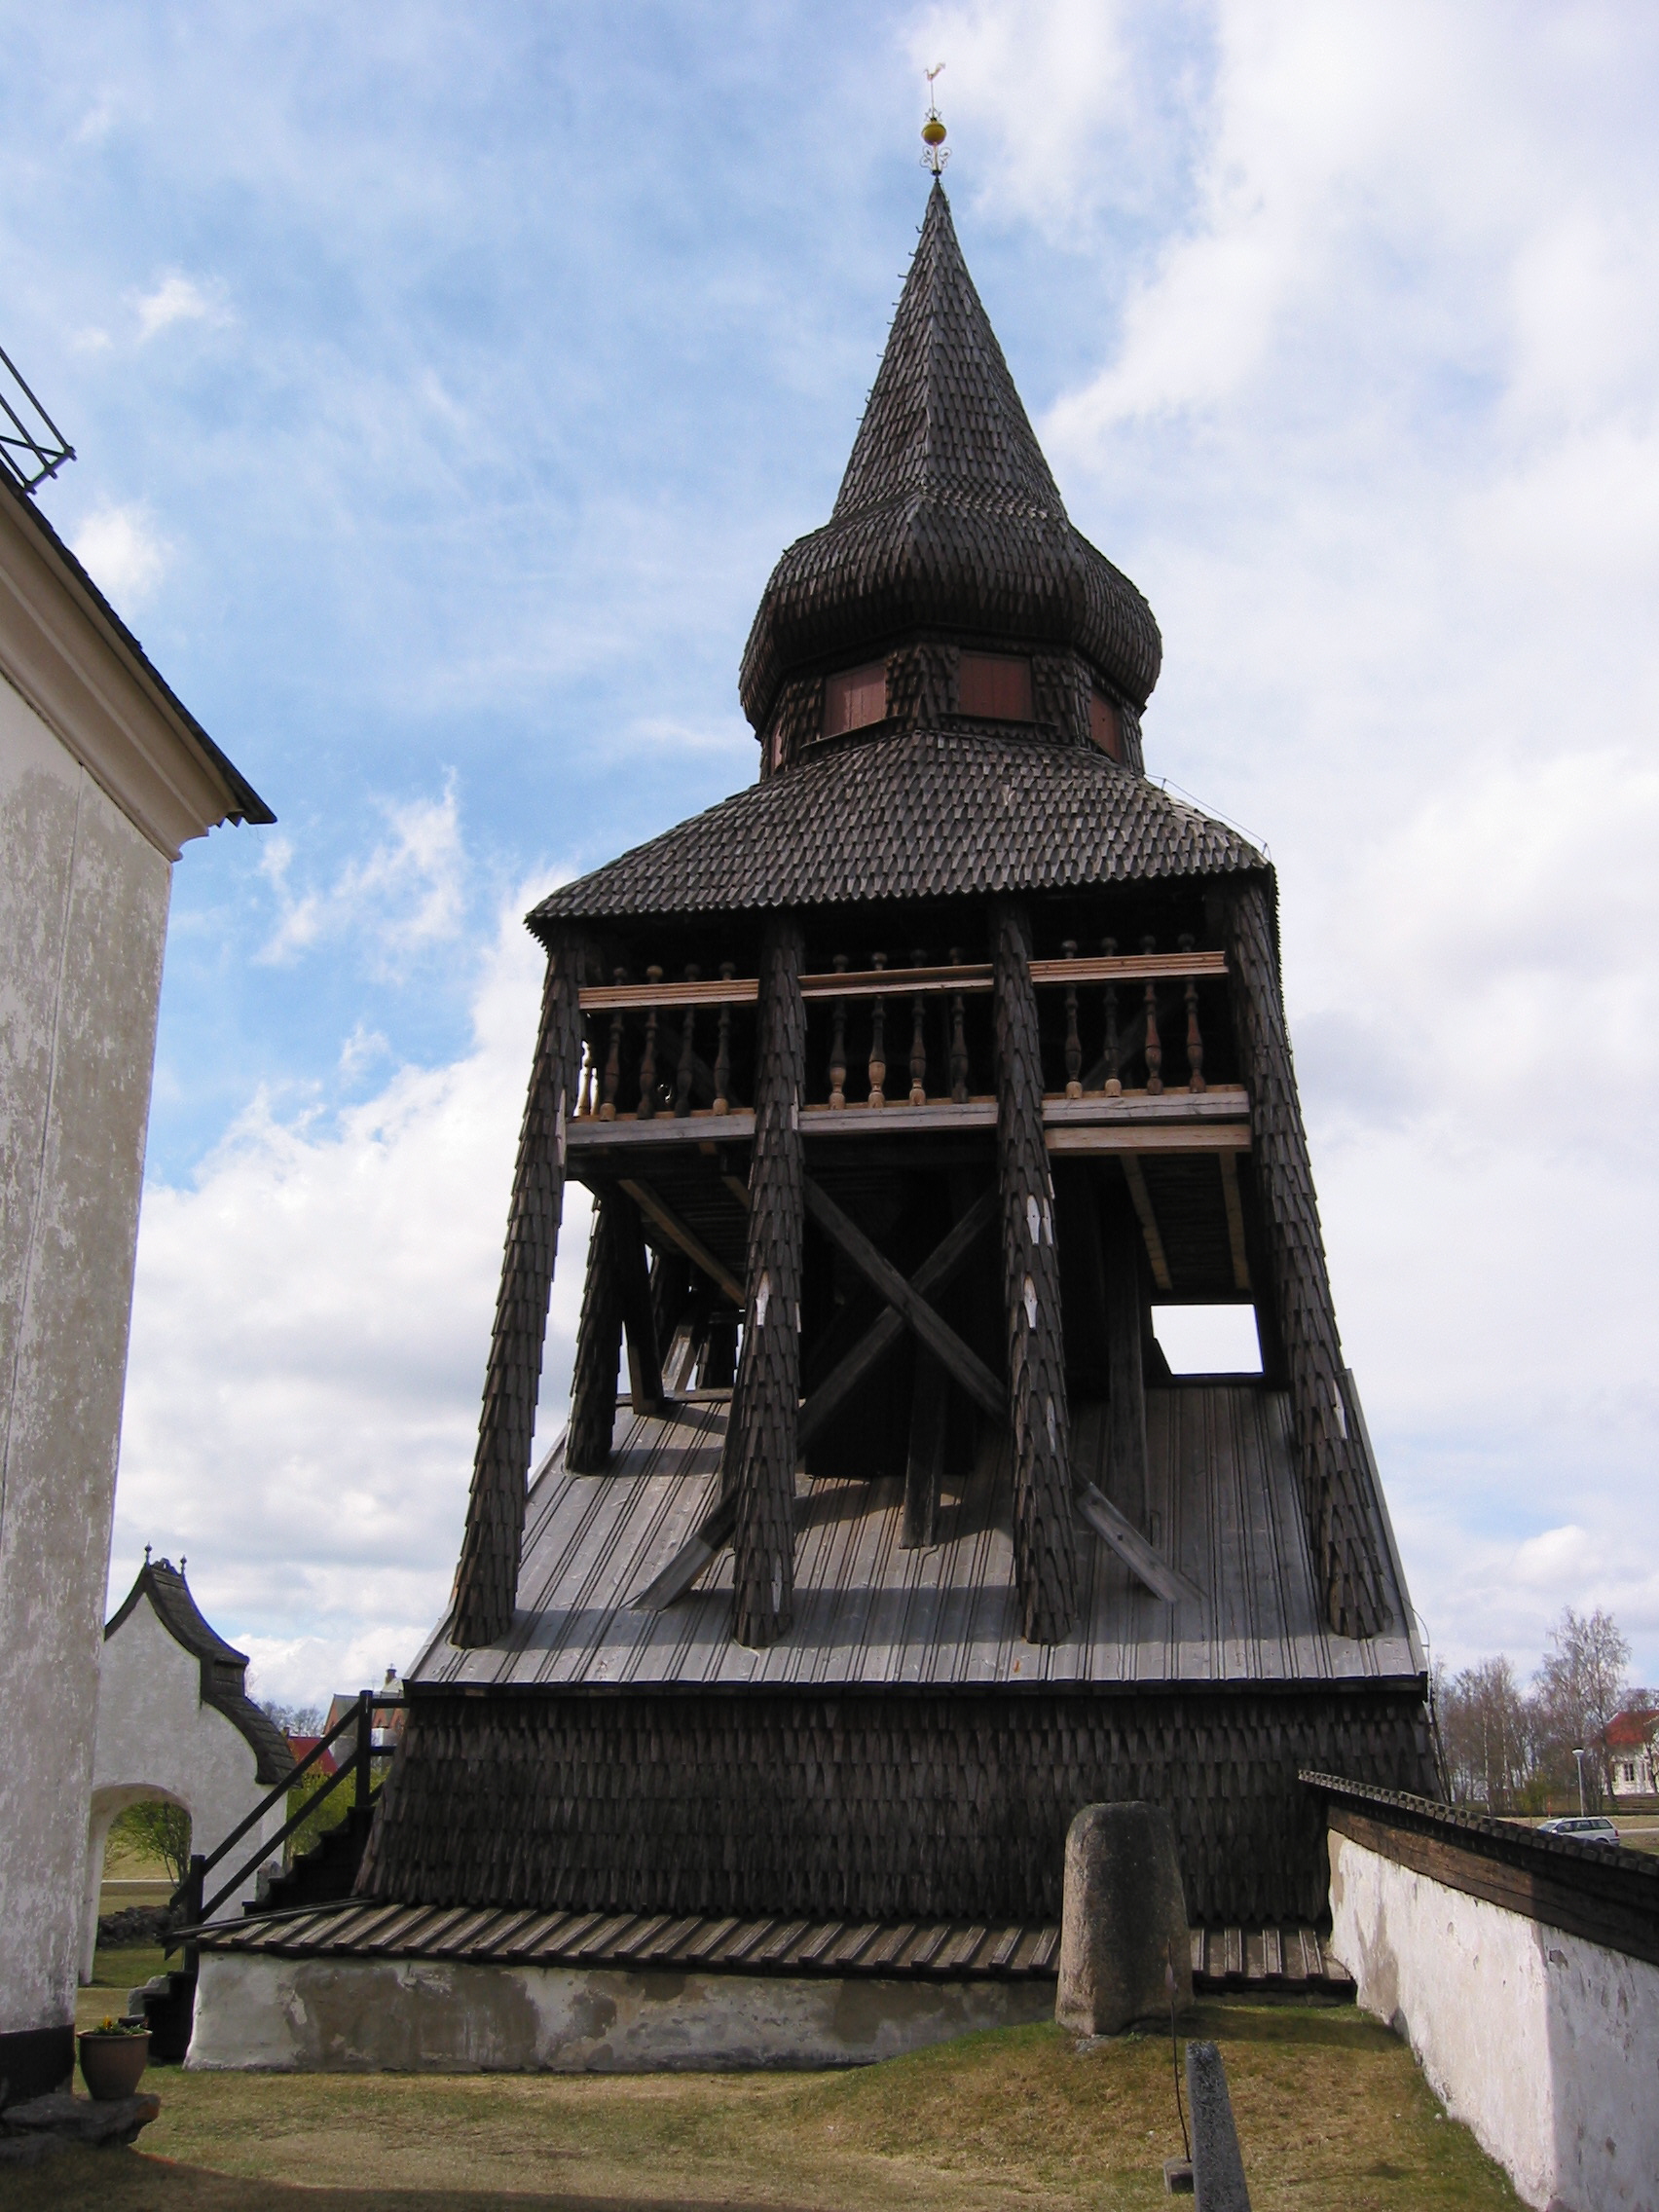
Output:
(948, 523)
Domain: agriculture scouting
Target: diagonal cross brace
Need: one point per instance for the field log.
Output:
(957, 1358)
(714, 1531)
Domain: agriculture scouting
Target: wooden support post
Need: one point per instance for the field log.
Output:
(760, 1465)
(1044, 1546)
(487, 1577)
(924, 1465)
(645, 1362)
(1126, 1358)
(599, 1339)
(1336, 1483)
(671, 1294)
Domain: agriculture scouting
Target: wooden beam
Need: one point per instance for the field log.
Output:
(965, 1365)
(1230, 1199)
(935, 1270)
(711, 1535)
(676, 1233)
(1131, 1547)
(1142, 1200)
(1195, 1137)
(871, 983)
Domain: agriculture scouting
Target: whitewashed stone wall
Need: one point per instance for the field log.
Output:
(83, 918)
(420, 2016)
(1544, 2045)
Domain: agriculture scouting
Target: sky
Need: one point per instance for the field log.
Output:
(445, 382)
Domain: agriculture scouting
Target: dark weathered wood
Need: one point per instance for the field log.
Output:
(723, 1054)
(958, 1040)
(878, 1042)
(761, 1441)
(648, 1057)
(924, 1463)
(1153, 1044)
(1130, 1543)
(487, 1577)
(612, 1061)
(942, 1264)
(598, 1336)
(918, 1040)
(1074, 1043)
(686, 1069)
(941, 1339)
(1195, 1038)
(1111, 1061)
(1044, 1539)
(1126, 1355)
(1335, 1485)
(838, 1043)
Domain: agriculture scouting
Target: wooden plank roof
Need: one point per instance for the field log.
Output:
(870, 1613)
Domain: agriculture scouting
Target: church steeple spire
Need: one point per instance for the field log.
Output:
(948, 528)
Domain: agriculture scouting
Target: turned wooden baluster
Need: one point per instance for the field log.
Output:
(1195, 1042)
(586, 1086)
(648, 1063)
(1114, 1082)
(683, 1073)
(1074, 1043)
(877, 1040)
(1154, 1045)
(958, 1038)
(723, 1056)
(839, 1042)
(918, 1038)
(613, 1058)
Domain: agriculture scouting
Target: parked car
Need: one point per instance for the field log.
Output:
(1583, 1828)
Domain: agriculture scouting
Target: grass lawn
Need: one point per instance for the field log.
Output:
(1331, 2109)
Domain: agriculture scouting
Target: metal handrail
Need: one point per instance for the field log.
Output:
(190, 1894)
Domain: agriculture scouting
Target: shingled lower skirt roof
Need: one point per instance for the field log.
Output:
(920, 814)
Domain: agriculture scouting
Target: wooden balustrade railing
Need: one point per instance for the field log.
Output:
(673, 1027)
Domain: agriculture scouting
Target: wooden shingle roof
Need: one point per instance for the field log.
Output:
(916, 814)
(948, 517)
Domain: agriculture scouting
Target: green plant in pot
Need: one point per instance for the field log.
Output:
(113, 2057)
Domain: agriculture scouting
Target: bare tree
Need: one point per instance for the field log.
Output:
(1581, 1686)
(1490, 1730)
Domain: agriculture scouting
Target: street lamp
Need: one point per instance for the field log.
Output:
(1579, 1756)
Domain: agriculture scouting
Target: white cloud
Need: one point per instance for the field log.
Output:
(177, 298)
(123, 553)
(1378, 436)
(311, 1322)
(407, 895)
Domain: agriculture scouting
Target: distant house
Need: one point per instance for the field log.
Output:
(387, 1727)
(303, 1746)
(1633, 1755)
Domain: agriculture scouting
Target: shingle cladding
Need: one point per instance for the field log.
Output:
(919, 813)
(948, 517)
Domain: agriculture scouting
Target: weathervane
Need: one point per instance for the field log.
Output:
(933, 130)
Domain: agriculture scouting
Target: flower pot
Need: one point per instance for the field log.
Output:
(113, 2066)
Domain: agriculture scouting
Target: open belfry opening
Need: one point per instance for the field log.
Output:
(906, 1082)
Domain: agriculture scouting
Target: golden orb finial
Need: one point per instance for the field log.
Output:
(933, 130)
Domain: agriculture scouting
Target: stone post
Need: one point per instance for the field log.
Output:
(760, 1465)
(487, 1577)
(1124, 1921)
(1044, 1546)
